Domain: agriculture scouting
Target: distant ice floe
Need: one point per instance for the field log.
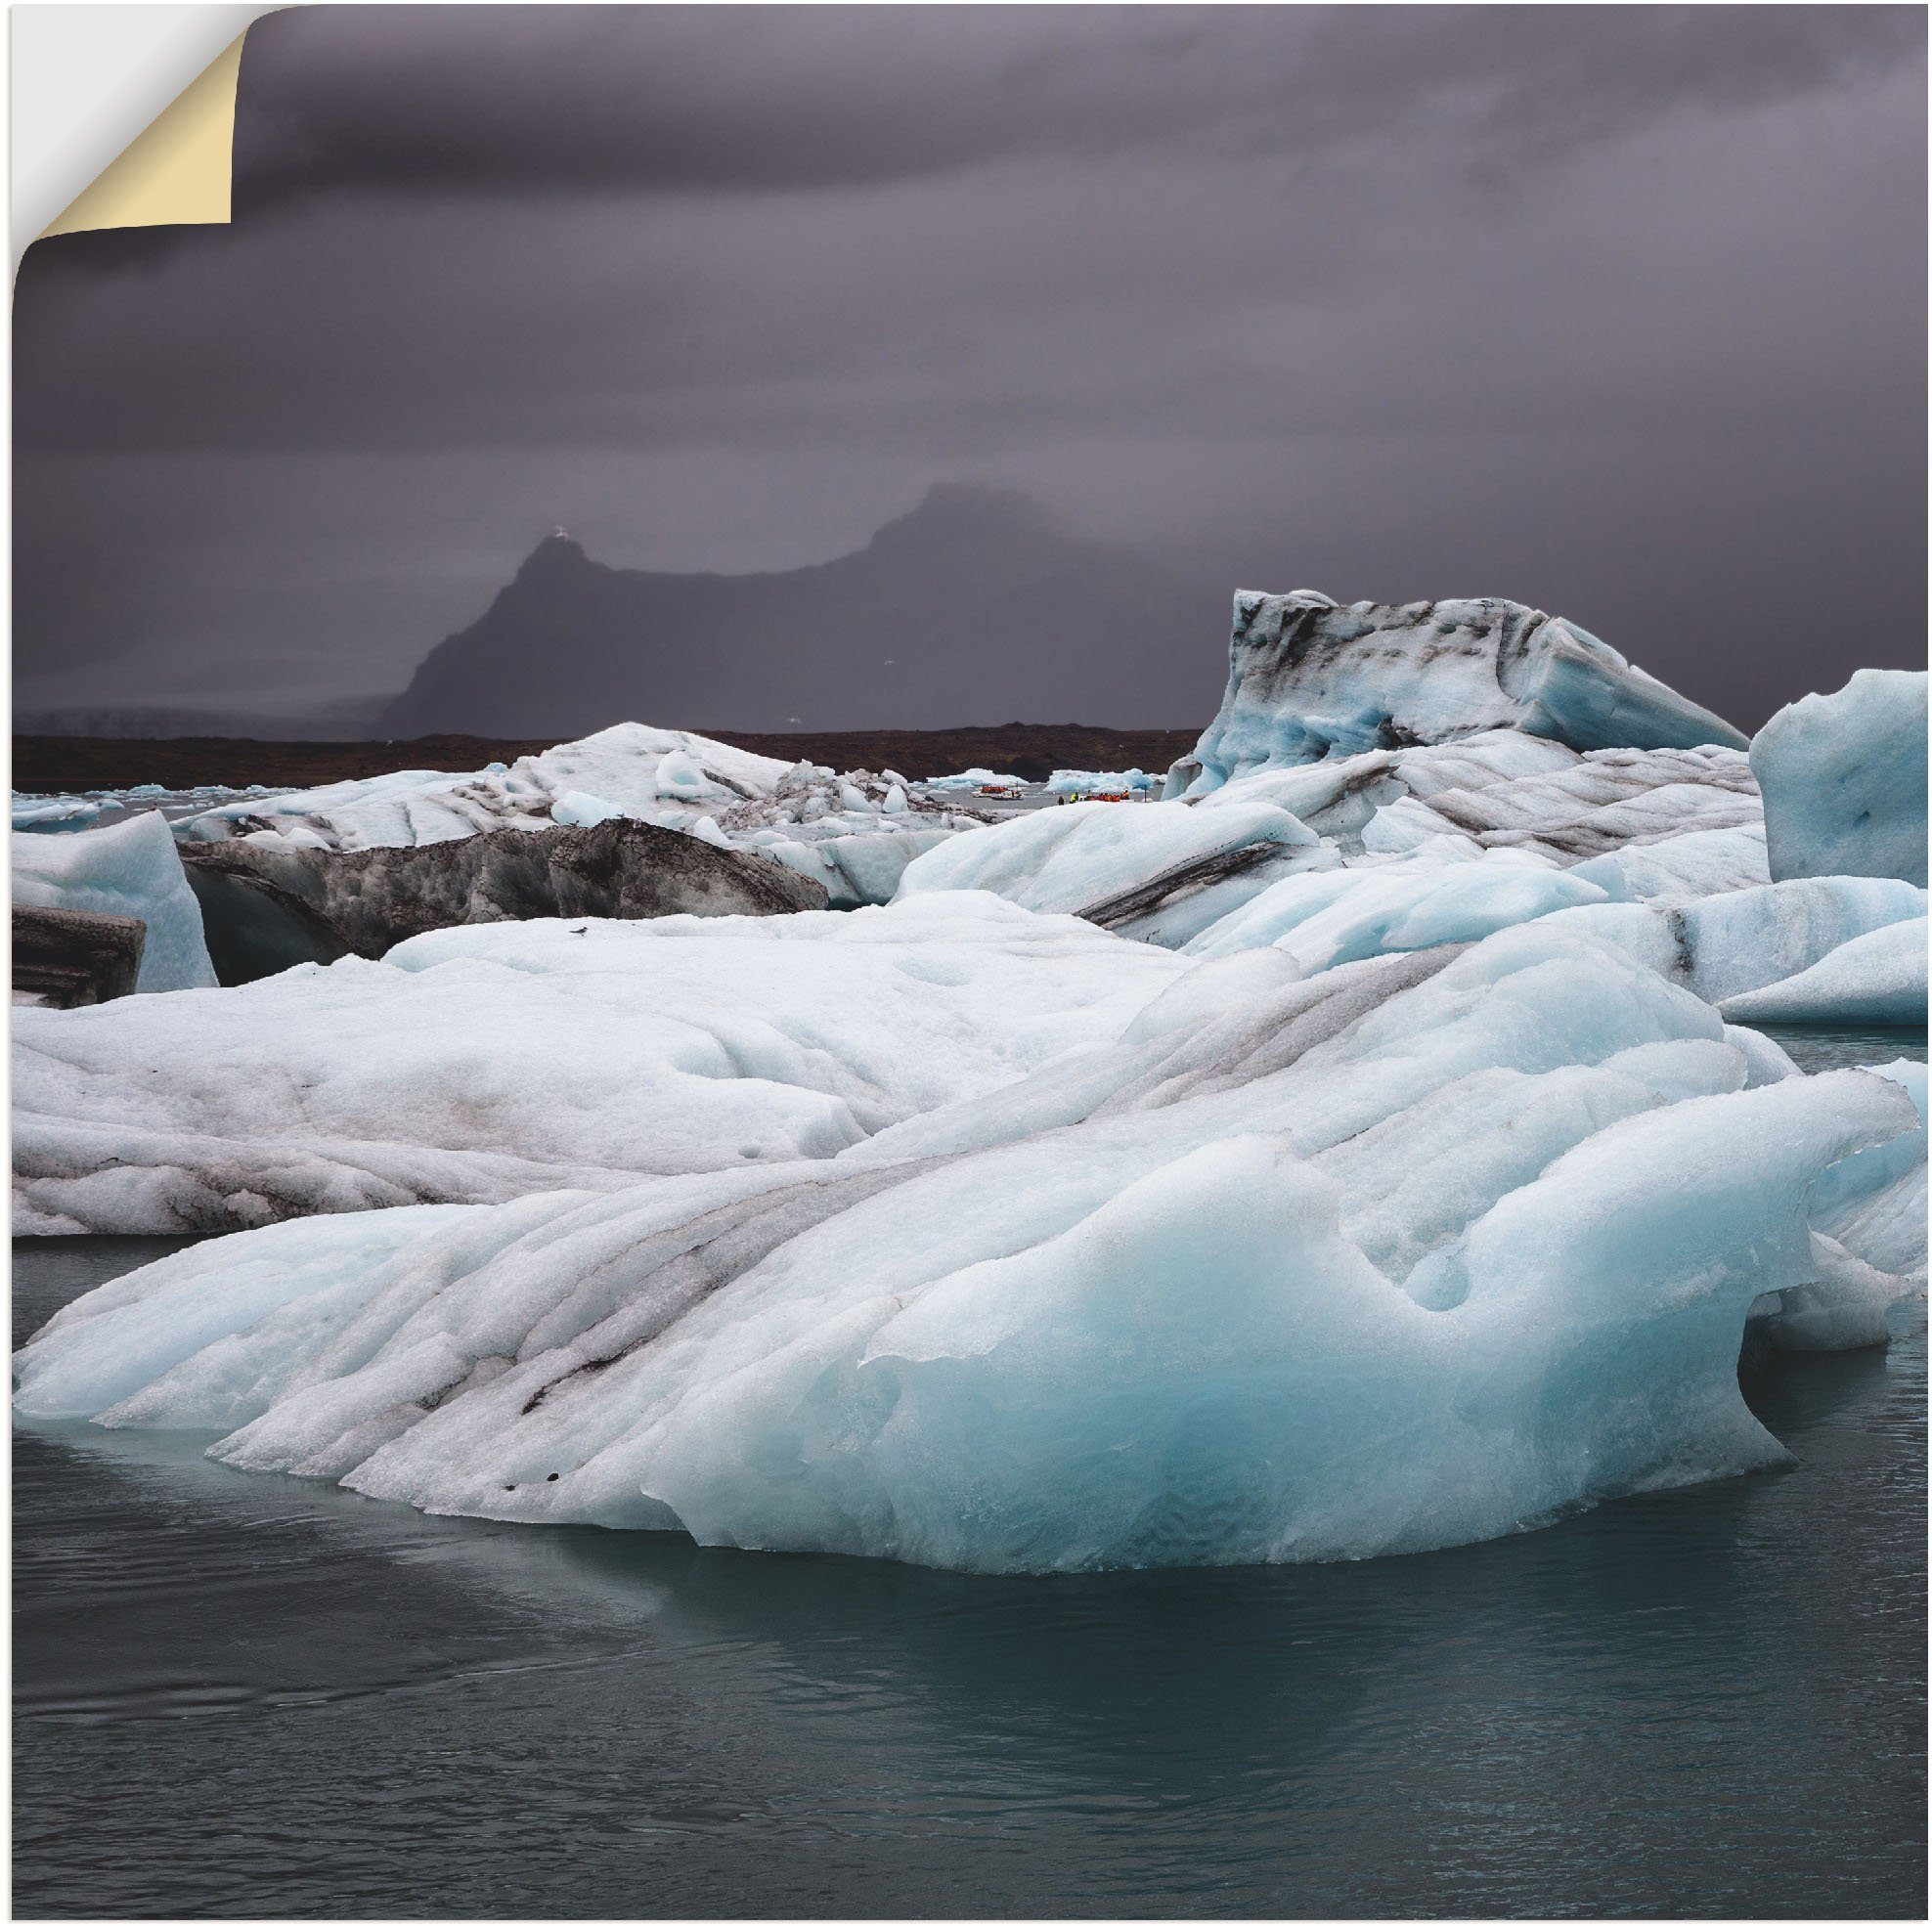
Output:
(1102, 782)
(967, 781)
(50, 811)
(1365, 1150)
(813, 819)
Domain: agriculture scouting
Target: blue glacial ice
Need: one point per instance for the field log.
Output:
(128, 870)
(1874, 979)
(1843, 778)
(1309, 680)
(1416, 1252)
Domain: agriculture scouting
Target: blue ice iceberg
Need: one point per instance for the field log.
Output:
(1424, 1249)
(1843, 778)
(1309, 680)
(129, 869)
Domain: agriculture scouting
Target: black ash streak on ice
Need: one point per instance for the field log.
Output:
(1621, 310)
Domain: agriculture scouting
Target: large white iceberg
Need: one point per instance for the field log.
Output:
(128, 870)
(1844, 779)
(1309, 680)
(1101, 782)
(1416, 1252)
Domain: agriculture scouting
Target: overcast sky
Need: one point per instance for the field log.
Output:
(1617, 311)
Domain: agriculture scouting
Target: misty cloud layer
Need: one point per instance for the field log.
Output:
(1616, 311)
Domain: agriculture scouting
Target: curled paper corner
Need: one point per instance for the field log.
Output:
(179, 170)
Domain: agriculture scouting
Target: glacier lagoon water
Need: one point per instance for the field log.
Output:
(242, 1695)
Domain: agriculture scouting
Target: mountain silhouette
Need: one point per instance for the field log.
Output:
(974, 608)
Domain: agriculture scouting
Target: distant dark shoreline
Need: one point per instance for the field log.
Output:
(44, 763)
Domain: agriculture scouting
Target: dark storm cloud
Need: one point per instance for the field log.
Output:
(1617, 310)
(467, 101)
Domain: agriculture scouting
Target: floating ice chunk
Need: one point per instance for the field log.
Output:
(1101, 782)
(1844, 779)
(974, 779)
(51, 811)
(1873, 1204)
(1874, 979)
(127, 869)
(1308, 679)
(1131, 1344)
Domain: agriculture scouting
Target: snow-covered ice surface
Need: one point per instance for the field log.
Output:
(127, 869)
(1537, 825)
(1420, 1251)
(815, 819)
(1308, 679)
(1844, 779)
(1118, 867)
(478, 1063)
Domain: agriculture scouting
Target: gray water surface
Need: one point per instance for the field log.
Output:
(1845, 1047)
(247, 1696)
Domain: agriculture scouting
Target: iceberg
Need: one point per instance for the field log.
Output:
(1101, 782)
(128, 870)
(1364, 1148)
(1875, 978)
(1844, 779)
(45, 813)
(267, 905)
(1219, 869)
(973, 779)
(1427, 1248)
(1747, 939)
(669, 779)
(1308, 679)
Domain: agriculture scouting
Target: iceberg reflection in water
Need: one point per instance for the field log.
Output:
(1705, 1702)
